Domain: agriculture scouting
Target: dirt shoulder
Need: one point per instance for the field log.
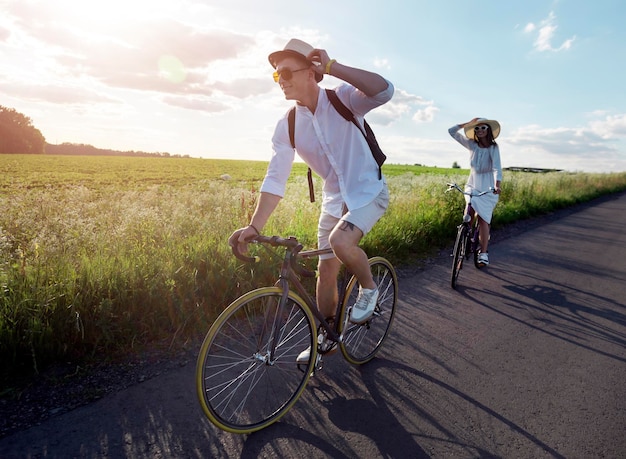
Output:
(64, 387)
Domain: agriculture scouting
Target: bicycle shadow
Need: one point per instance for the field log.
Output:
(257, 444)
(591, 318)
(432, 411)
(395, 423)
(352, 417)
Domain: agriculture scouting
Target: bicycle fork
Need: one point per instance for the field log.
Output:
(273, 325)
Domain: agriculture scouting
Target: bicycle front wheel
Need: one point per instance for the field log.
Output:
(246, 374)
(458, 254)
(361, 342)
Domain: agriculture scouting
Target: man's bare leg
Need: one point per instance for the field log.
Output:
(326, 293)
(344, 240)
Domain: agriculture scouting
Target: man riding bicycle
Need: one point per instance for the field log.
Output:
(354, 195)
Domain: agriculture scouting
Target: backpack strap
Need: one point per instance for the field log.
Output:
(341, 108)
(344, 111)
(291, 121)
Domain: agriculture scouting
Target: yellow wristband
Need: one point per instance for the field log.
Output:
(330, 62)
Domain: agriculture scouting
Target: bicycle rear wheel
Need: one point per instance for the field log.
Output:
(241, 386)
(361, 342)
(458, 254)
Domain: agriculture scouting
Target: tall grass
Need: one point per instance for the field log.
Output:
(93, 265)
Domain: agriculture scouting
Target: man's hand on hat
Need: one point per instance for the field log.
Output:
(320, 59)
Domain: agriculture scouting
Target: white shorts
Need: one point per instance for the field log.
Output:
(364, 218)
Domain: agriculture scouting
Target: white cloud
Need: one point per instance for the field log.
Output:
(401, 105)
(595, 146)
(381, 64)
(611, 127)
(404, 103)
(546, 35)
(425, 115)
(529, 27)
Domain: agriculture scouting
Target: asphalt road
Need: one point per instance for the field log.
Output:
(526, 359)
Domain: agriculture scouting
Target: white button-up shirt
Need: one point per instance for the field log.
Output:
(333, 148)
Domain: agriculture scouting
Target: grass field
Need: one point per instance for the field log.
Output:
(104, 254)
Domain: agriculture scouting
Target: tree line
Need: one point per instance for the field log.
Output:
(19, 135)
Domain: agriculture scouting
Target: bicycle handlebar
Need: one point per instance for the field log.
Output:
(454, 186)
(241, 256)
(290, 243)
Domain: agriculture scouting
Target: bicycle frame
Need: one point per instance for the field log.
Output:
(332, 331)
(473, 230)
(286, 280)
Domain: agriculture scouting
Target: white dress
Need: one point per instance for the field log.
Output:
(485, 170)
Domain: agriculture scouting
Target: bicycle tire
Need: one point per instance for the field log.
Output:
(240, 390)
(361, 342)
(470, 246)
(458, 254)
(475, 246)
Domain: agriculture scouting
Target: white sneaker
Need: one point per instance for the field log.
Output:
(304, 356)
(325, 347)
(364, 306)
(483, 258)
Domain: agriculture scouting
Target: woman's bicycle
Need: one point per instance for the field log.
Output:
(467, 235)
(247, 376)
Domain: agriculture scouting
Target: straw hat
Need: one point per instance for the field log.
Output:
(294, 48)
(493, 124)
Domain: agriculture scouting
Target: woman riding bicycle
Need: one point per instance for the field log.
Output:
(485, 172)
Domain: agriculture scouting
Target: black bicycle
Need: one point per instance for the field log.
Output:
(247, 373)
(467, 236)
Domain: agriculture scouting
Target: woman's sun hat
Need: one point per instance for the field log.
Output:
(493, 124)
(294, 48)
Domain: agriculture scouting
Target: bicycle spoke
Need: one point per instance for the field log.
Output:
(289, 339)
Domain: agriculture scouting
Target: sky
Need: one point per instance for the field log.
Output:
(191, 77)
